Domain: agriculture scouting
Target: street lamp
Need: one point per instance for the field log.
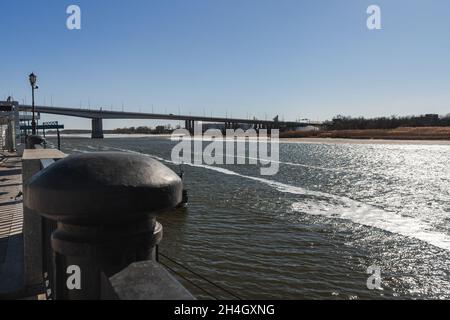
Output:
(33, 80)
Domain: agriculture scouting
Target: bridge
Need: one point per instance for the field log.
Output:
(97, 117)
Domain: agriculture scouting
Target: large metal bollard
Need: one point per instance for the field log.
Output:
(105, 205)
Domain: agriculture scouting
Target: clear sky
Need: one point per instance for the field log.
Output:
(299, 59)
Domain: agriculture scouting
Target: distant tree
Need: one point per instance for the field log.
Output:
(348, 123)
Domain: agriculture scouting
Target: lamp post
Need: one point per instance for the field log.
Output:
(33, 80)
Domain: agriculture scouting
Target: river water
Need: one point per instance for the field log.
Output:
(312, 230)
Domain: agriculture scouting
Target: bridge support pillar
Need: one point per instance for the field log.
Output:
(97, 128)
(189, 126)
(224, 129)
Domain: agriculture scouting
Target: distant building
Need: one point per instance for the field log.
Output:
(430, 119)
(160, 129)
(307, 128)
(432, 116)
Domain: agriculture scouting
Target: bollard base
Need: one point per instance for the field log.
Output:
(88, 252)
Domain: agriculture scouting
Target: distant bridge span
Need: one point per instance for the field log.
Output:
(98, 115)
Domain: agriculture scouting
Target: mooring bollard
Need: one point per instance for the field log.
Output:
(105, 205)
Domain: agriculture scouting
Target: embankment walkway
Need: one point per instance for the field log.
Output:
(11, 220)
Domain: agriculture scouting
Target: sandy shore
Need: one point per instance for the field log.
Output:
(364, 141)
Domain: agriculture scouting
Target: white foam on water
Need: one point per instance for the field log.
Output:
(338, 207)
(370, 216)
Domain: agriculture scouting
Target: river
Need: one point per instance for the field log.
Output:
(312, 230)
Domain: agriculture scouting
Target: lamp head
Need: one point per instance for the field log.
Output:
(33, 79)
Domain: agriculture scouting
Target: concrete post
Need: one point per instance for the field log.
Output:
(106, 215)
(32, 223)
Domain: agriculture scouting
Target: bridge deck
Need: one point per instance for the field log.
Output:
(106, 114)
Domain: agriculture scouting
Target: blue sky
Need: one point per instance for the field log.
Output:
(299, 59)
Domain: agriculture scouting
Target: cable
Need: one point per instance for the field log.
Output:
(190, 281)
(200, 276)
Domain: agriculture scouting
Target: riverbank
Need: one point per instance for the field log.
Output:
(403, 133)
(364, 141)
(116, 135)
